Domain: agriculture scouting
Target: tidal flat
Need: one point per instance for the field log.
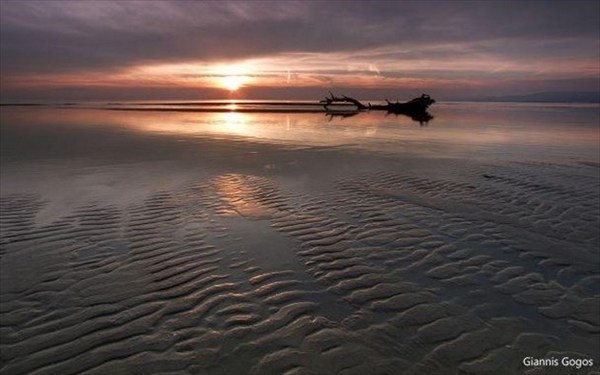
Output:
(198, 242)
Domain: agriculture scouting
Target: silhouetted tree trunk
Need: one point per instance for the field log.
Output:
(414, 106)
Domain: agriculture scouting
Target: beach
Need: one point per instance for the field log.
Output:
(170, 238)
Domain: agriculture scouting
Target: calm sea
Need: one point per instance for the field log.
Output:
(553, 132)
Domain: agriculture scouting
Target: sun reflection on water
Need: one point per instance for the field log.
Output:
(237, 194)
(234, 123)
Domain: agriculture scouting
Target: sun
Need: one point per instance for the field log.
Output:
(232, 77)
(232, 83)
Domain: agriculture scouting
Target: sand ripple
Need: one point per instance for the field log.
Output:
(467, 271)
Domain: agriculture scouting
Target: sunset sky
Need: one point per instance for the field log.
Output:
(53, 50)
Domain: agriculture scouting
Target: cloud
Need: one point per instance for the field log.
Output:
(409, 39)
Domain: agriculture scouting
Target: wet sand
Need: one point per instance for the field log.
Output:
(182, 243)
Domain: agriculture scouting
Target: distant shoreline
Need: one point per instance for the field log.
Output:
(227, 102)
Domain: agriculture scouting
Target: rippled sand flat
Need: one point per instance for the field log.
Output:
(128, 250)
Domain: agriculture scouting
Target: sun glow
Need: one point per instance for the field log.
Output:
(232, 77)
(232, 83)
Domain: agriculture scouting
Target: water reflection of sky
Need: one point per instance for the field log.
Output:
(463, 128)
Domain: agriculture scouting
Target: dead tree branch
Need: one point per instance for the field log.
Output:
(342, 99)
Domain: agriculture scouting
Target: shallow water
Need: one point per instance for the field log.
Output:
(243, 242)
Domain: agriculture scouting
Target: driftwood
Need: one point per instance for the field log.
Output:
(415, 108)
(342, 99)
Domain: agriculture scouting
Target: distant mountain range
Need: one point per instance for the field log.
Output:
(549, 96)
